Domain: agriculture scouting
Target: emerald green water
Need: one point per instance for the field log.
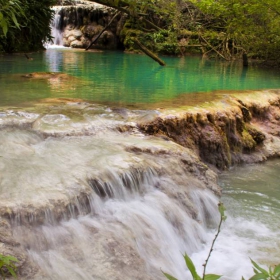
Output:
(121, 79)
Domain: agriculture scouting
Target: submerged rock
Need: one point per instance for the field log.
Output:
(47, 75)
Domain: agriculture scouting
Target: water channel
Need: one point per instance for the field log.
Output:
(132, 217)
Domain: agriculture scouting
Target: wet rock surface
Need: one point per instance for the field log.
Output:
(62, 158)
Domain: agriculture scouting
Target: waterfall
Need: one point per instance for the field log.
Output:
(132, 238)
(92, 203)
(76, 25)
(56, 28)
(56, 31)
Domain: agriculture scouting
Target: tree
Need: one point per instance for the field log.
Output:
(234, 27)
(25, 24)
(229, 29)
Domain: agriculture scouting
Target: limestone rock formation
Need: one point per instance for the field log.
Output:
(79, 24)
(240, 128)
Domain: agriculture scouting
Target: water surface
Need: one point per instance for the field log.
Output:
(251, 194)
(124, 79)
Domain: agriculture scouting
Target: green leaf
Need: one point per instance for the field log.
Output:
(4, 26)
(191, 267)
(8, 263)
(260, 269)
(212, 277)
(259, 276)
(276, 269)
(168, 276)
(7, 259)
(12, 271)
(222, 210)
(14, 19)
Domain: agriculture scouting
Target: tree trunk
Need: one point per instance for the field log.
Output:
(148, 52)
(122, 6)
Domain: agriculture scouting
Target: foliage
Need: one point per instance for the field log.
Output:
(8, 266)
(222, 28)
(9, 11)
(28, 24)
(247, 26)
(262, 274)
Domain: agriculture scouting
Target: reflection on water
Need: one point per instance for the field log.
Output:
(123, 79)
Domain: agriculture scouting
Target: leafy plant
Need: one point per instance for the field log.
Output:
(8, 266)
(9, 12)
(25, 24)
(262, 274)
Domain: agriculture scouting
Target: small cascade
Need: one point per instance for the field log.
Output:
(76, 25)
(84, 204)
(132, 233)
(56, 28)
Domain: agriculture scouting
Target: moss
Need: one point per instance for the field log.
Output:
(257, 135)
(248, 142)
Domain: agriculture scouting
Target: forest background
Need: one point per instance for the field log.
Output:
(228, 29)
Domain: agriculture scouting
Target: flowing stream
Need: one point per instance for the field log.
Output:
(87, 201)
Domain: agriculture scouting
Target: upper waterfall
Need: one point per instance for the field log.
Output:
(77, 24)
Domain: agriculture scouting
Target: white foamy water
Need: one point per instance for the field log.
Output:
(56, 30)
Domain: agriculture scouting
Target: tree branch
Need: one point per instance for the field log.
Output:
(148, 52)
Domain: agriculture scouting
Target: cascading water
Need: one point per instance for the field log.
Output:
(56, 28)
(85, 204)
(88, 202)
(133, 237)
